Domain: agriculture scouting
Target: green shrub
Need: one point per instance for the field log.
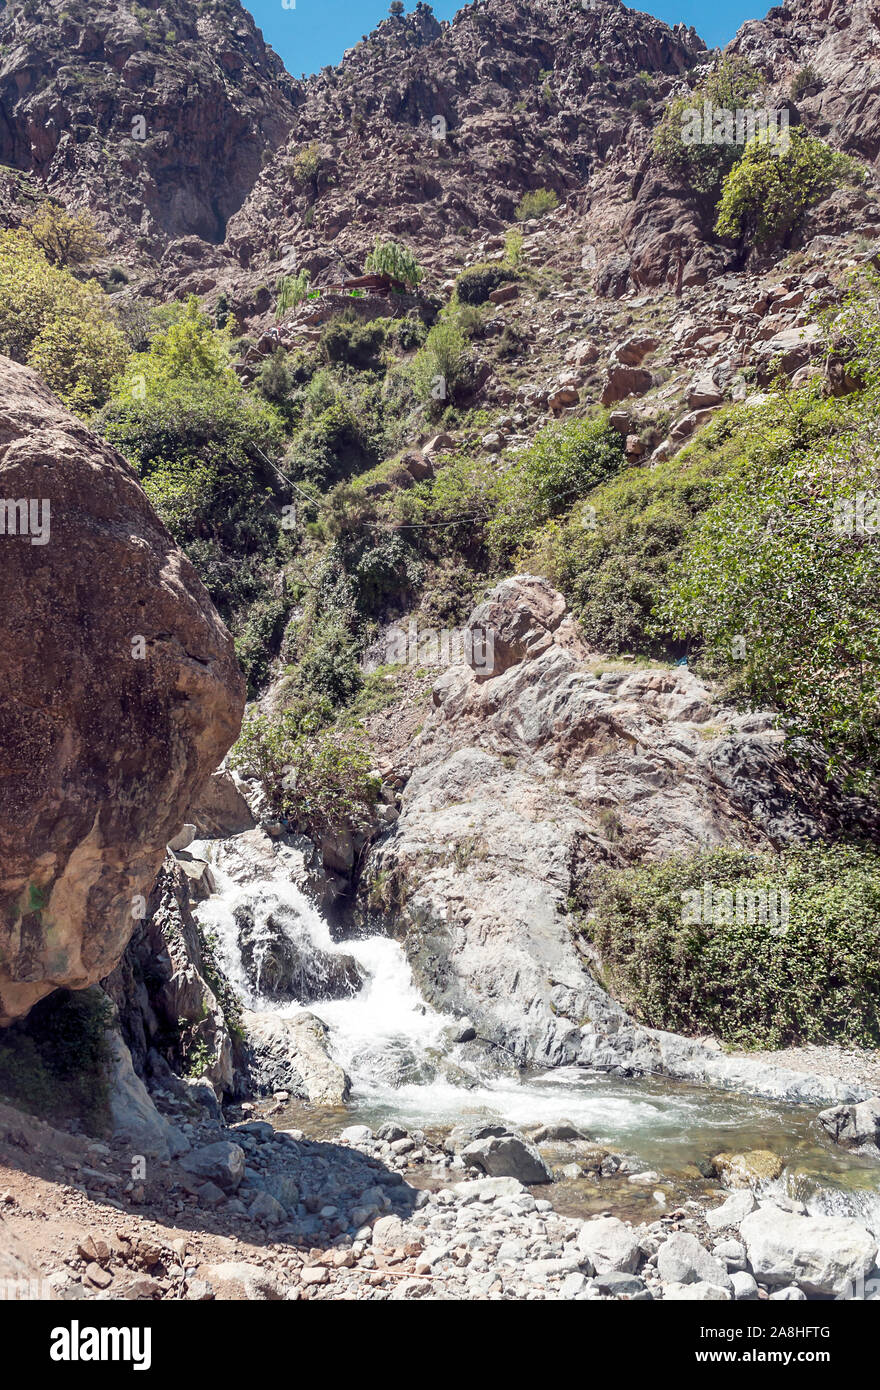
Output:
(536, 204)
(65, 329)
(348, 339)
(778, 177)
(805, 78)
(703, 164)
(780, 579)
(290, 291)
(611, 554)
(475, 284)
(814, 978)
(442, 370)
(563, 463)
(320, 780)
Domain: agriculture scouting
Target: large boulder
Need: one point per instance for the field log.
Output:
(119, 695)
(827, 1255)
(507, 1156)
(291, 1054)
(683, 1260)
(610, 1244)
(854, 1126)
(221, 1163)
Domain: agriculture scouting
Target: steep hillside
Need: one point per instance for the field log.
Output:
(157, 116)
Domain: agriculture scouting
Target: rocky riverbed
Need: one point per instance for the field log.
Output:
(251, 1212)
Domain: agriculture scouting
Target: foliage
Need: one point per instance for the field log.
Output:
(442, 369)
(805, 78)
(780, 580)
(53, 1063)
(320, 780)
(306, 163)
(536, 204)
(704, 163)
(63, 328)
(203, 446)
(475, 284)
(563, 463)
(350, 340)
(778, 177)
(290, 291)
(513, 248)
(390, 258)
(66, 239)
(814, 978)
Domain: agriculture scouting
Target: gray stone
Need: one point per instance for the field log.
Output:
(611, 1245)
(507, 1156)
(732, 1212)
(820, 1254)
(854, 1126)
(266, 1208)
(683, 1260)
(695, 1293)
(221, 1163)
(744, 1287)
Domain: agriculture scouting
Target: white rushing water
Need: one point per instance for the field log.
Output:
(403, 1064)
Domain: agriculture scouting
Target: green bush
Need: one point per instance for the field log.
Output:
(805, 78)
(390, 258)
(703, 164)
(778, 177)
(442, 370)
(814, 978)
(65, 329)
(475, 284)
(563, 463)
(780, 579)
(536, 204)
(320, 780)
(348, 339)
(611, 554)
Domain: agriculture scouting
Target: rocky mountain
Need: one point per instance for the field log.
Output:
(158, 117)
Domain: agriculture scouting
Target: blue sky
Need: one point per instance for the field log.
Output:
(318, 31)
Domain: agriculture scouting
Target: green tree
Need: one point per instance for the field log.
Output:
(779, 176)
(65, 329)
(390, 258)
(779, 582)
(703, 164)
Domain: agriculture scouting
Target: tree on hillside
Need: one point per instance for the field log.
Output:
(390, 258)
(66, 239)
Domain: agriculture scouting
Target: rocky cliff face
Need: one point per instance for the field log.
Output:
(157, 116)
(524, 780)
(119, 695)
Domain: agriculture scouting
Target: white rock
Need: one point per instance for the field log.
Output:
(820, 1254)
(610, 1245)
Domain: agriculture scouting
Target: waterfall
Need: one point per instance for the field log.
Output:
(277, 952)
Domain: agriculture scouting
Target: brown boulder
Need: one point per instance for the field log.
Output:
(119, 695)
(623, 381)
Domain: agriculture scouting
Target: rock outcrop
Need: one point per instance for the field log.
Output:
(533, 776)
(159, 118)
(119, 695)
